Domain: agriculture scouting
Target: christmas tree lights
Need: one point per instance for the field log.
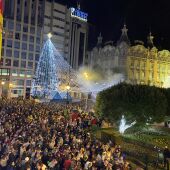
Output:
(52, 72)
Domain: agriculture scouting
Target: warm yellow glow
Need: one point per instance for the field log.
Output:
(86, 75)
(149, 67)
(11, 85)
(68, 87)
(49, 35)
(2, 82)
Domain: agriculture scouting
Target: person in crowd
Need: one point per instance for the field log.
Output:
(38, 136)
(166, 154)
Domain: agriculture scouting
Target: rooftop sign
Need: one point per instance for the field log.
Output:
(76, 13)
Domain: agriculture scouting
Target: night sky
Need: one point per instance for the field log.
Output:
(141, 16)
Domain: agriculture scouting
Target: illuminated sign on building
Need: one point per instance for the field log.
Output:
(79, 14)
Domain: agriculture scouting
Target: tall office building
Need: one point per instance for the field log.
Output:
(56, 22)
(25, 28)
(22, 39)
(78, 37)
(69, 28)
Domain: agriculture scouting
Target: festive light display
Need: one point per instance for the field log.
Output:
(46, 77)
(123, 126)
(52, 72)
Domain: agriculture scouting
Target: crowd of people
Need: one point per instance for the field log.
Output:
(36, 136)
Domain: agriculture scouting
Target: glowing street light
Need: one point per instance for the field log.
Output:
(10, 85)
(68, 87)
(49, 35)
(2, 82)
(86, 75)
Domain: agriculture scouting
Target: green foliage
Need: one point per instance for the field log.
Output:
(137, 102)
(167, 94)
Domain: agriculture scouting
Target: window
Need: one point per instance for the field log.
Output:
(37, 57)
(32, 30)
(29, 73)
(23, 64)
(16, 63)
(9, 43)
(36, 65)
(30, 65)
(22, 73)
(16, 44)
(8, 62)
(31, 47)
(25, 28)
(24, 46)
(58, 26)
(14, 73)
(17, 36)
(9, 34)
(24, 37)
(1, 61)
(24, 55)
(3, 42)
(20, 82)
(18, 27)
(38, 40)
(32, 39)
(30, 56)
(16, 54)
(8, 53)
(18, 92)
(39, 31)
(59, 11)
(59, 34)
(37, 48)
(60, 19)
(28, 82)
(10, 25)
(5, 72)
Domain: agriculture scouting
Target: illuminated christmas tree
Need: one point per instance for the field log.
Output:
(53, 73)
(46, 80)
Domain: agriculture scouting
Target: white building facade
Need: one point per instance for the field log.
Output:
(109, 57)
